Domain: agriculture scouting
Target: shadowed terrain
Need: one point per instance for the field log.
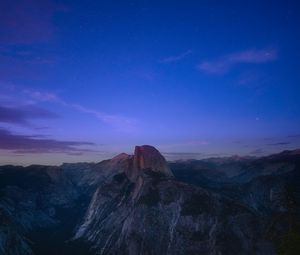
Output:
(140, 204)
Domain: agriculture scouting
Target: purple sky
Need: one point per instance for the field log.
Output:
(85, 80)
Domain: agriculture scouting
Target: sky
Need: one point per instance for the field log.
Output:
(86, 80)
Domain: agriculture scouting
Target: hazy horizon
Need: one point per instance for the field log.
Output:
(169, 156)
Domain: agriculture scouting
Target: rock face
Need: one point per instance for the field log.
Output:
(133, 204)
(145, 211)
(269, 186)
(40, 206)
(167, 217)
(147, 158)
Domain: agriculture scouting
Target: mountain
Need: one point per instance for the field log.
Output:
(268, 186)
(140, 204)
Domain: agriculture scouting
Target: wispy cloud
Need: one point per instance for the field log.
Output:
(24, 115)
(250, 78)
(176, 58)
(188, 143)
(21, 144)
(189, 155)
(119, 122)
(182, 155)
(197, 142)
(115, 120)
(294, 136)
(279, 143)
(225, 63)
(43, 96)
(257, 152)
(27, 54)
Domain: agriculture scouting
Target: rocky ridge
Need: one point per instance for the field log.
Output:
(146, 211)
(135, 204)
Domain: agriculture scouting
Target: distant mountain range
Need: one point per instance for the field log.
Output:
(140, 204)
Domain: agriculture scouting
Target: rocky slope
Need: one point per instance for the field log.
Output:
(269, 186)
(40, 205)
(135, 204)
(149, 212)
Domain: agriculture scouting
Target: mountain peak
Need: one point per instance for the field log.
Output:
(147, 157)
(120, 157)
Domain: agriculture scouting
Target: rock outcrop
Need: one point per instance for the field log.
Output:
(146, 211)
(147, 158)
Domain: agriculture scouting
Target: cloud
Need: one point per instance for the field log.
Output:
(23, 115)
(224, 64)
(182, 155)
(278, 144)
(111, 119)
(257, 152)
(28, 21)
(189, 155)
(18, 54)
(114, 120)
(176, 58)
(27, 29)
(43, 96)
(294, 136)
(197, 142)
(36, 144)
(250, 78)
(194, 143)
(120, 122)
